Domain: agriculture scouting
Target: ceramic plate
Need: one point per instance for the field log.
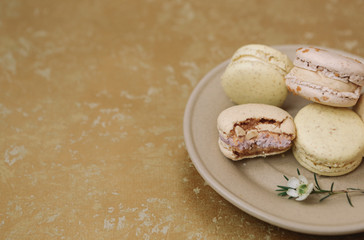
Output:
(250, 184)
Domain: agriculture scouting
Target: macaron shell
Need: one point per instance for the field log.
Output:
(254, 82)
(232, 115)
(329, 137)
(264, 53)
(227, 150)
(310, 163)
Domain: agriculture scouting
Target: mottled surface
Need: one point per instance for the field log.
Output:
(91, 107)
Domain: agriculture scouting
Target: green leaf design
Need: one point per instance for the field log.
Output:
(325, 197)
(349, 200)
(316, 182)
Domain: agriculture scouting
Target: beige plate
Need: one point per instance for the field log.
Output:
(250, 184)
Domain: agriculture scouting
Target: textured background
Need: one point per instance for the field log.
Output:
(92, 96)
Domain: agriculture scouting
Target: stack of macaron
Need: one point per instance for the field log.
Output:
(327, 136)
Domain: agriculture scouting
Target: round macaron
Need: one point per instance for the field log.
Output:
(252, 130)
(330, 140)
(255, 74)
(326, 77)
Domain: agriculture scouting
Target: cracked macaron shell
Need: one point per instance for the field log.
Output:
(265, 54)
(228, 118)
(329, 140)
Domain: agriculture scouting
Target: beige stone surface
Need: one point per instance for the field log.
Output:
(91, 107)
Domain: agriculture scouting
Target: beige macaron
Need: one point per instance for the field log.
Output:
(255, 74)
(252, 130)
(330, 140)
(326, 77)
(359, 107)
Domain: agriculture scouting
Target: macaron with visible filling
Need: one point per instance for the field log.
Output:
(326, 77)
(253, 130)
(255, 74)
(330, 140)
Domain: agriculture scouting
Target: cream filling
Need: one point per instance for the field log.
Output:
(318, 78)
(340, 76)
(262, 140)
(348, 95)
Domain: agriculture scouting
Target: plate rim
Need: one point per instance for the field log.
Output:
(231, 197)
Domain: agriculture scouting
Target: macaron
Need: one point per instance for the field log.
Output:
(253, 130)
(256, 74)
(359, 107)
(326, 77)
(329, 141)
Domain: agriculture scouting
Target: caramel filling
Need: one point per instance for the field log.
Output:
(249, 138)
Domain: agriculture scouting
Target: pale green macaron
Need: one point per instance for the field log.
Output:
(329, 140)
(255, 74)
